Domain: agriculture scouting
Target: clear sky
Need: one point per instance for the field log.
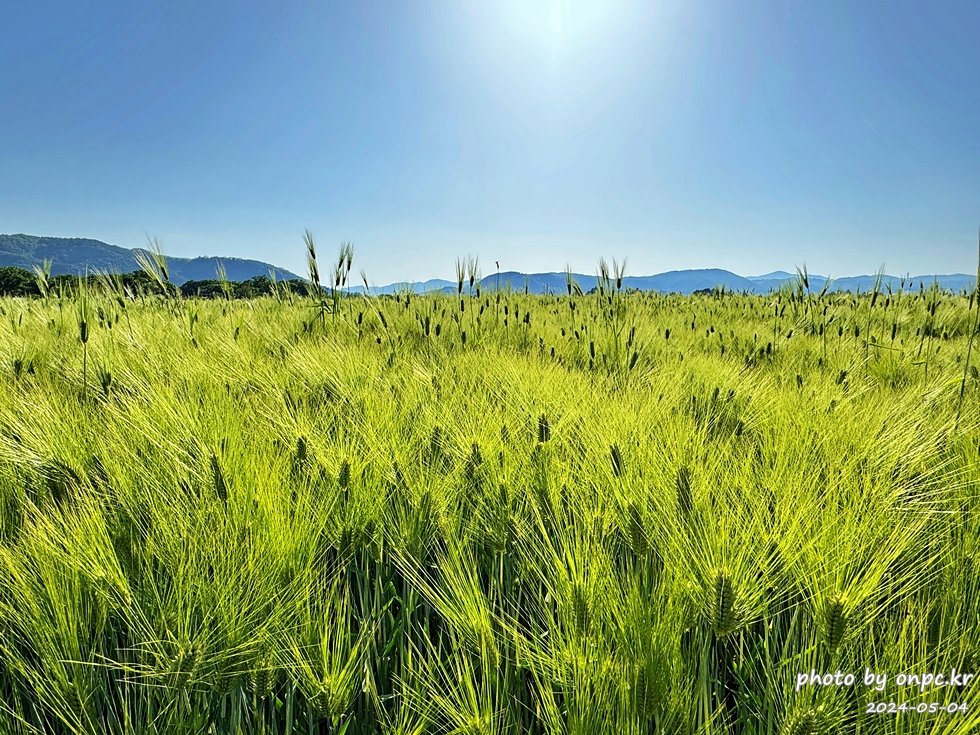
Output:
(751, 136)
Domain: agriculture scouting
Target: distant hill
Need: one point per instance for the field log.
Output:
(684, 282)
(541, 283)
(73, 256)
(954, 282)
(774, 276)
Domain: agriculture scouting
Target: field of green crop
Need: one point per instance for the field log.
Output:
(487, 512)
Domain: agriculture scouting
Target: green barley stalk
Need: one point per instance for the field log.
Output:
(83, 316)
(973, 332)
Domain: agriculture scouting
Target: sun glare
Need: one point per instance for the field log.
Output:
(555, 52)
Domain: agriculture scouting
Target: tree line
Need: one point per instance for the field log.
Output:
(15, 281)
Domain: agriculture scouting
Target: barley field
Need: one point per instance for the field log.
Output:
(488, 512)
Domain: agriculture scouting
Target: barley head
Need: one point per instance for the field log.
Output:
(544, 429)
(617, 460)
(721, 606)
(685, 501)
(810, 721)
(834, 622)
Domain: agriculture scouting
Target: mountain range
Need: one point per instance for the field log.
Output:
(684, 282)
(75, 256)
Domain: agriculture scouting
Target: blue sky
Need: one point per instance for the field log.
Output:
(747, 136)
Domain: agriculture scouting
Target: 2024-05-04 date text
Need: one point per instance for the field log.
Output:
(920, 708)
